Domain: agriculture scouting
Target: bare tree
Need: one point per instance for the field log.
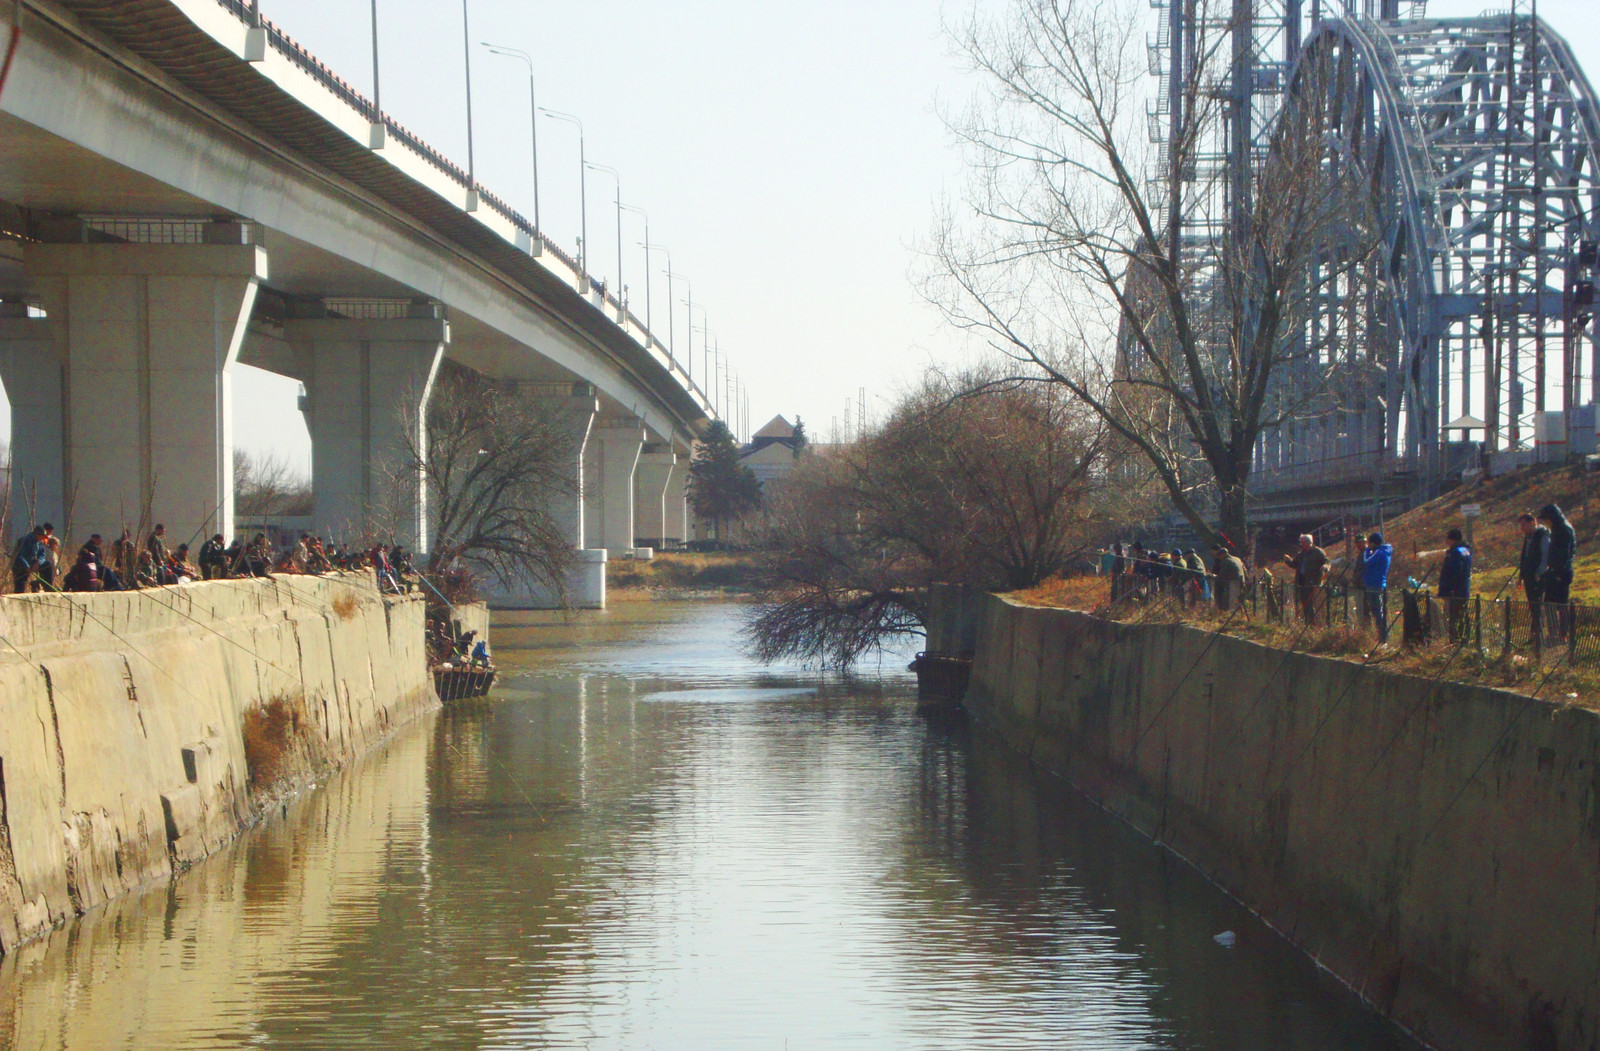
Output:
(498, 467)
(267, 484)
(1076, 262)
(982, 483)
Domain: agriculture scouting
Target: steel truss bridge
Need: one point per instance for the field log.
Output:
(1479, 139)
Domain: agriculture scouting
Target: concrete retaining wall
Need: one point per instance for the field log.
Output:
(124, 721)
(1437, 846)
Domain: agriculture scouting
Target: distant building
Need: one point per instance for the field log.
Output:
(771, 454)
(772, 451)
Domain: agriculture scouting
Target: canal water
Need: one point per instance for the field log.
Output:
(647, 841)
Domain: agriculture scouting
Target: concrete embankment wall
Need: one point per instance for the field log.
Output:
(140, 731)
(1437, 846)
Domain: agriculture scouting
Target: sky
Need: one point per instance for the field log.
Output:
(791, 157)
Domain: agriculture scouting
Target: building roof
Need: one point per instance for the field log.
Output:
(777, 427)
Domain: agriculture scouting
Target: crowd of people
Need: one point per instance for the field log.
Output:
(1138, 573)
(125, 564)
(1544, 569)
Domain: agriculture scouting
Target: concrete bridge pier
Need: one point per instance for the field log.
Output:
(368, 382)
(150, 333)
(609, 465)
(657, 464)
(30, 368)
(575, 414)
(677, 501)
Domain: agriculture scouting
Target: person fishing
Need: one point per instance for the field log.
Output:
(1455, 584)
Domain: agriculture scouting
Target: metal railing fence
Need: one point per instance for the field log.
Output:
(1496, 627)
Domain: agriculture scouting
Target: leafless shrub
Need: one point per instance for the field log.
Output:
(973, 482)
(267, 484)
(345, 606)
(498, 466)
(269, 738)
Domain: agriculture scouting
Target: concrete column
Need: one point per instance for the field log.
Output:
(608, 484)
(151, 335)
(31, 362)
(368, 383)
(677, 502)
(656, 464)
(578, 413)
(586, 583)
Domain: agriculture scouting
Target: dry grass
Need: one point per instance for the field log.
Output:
(1082, 592)
(684, 571)
(1418, 535)
(270, 733)
(345, 606)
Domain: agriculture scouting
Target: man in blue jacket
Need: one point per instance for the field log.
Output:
(1375, 561)
(29, 561)
(1455, 584)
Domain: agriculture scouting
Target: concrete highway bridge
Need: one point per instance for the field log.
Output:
(183, 188)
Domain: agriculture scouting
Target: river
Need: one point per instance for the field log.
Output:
(647, 841)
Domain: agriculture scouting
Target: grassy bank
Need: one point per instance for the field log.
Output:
(682, 575)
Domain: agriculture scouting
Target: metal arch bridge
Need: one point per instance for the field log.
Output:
(1480, 139)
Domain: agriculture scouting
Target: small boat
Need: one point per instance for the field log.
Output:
(942, 677)
(459, 682)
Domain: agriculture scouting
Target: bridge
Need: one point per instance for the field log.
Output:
(184, 188)
(1470, 340)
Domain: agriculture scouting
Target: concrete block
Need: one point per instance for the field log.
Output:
(180, 807)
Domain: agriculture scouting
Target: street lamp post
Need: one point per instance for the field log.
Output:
(689, 319)
(650, 331)
(648, 248)
(466, 50)
(583, 198)
(617, 179)
(376, 134)
(537, 246)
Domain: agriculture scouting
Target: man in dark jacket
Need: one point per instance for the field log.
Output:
(1229, 571)
(213, 558)
(1531, 567)
(1556, 580)
(1375, 562)
(1455, 584)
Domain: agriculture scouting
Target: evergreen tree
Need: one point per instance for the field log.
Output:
(800, 440)
(720, 487)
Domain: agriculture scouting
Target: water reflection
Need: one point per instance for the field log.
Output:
(644, 841)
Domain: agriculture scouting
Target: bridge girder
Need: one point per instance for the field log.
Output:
(1480, 141)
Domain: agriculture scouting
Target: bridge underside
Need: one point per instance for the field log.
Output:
(150, 241)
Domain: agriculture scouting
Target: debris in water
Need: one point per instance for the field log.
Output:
(1225, 939)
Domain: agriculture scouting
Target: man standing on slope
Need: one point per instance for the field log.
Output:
(1455, 584)
(1310, 565)
(1531, 568)
(1375, 561)
(1556, 580)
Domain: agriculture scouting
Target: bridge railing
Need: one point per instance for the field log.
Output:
(313, 67)
(1330, 470)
